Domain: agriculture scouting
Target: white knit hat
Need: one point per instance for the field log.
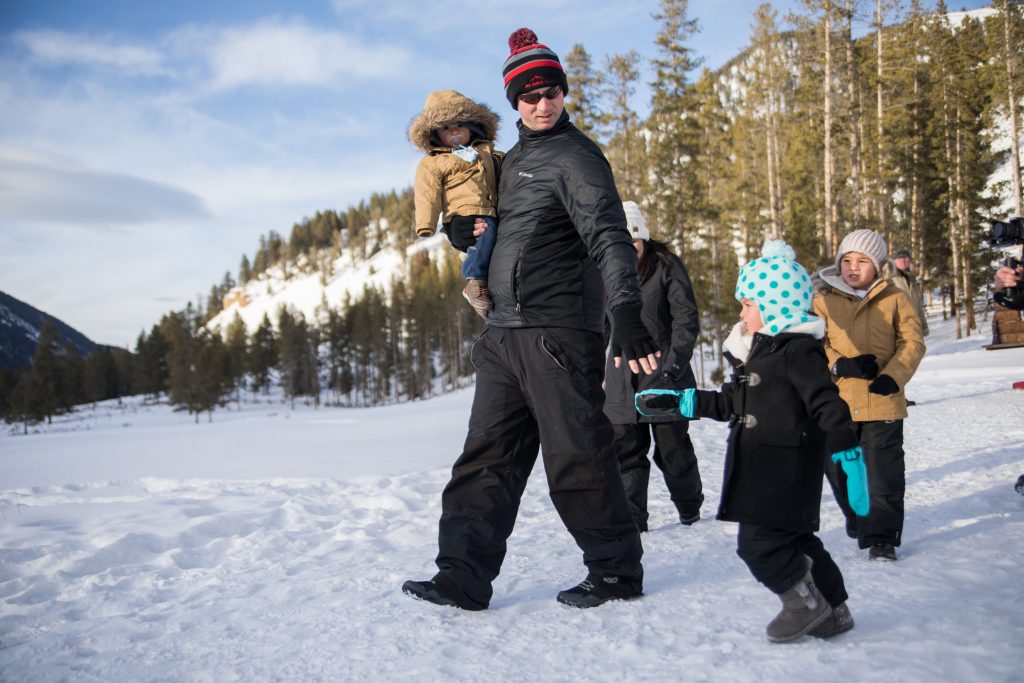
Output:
(778, 285)
(635, 221)
(867, 242)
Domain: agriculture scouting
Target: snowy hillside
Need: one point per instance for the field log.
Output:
(307, 292)
(271, 544)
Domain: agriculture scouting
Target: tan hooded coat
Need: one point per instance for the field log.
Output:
(885, 322)
(446, 184)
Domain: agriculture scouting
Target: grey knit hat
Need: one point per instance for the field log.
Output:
(867, 242)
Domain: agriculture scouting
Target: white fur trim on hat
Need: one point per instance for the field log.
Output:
(779, 286)
(867, 242)
(635, 221)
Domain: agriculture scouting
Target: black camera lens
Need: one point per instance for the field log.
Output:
(1007, 233)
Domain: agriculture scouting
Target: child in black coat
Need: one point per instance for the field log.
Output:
(786, 417)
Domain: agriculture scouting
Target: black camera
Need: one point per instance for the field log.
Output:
(1006, 233)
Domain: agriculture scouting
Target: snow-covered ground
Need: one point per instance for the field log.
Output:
(271, 544)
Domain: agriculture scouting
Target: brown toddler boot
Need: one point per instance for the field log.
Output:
(478, 297)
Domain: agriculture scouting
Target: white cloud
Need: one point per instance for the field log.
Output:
(49, 191)
(58, 47)
(294, 53)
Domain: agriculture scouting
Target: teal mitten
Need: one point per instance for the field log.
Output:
(661, 402)
(852, 461)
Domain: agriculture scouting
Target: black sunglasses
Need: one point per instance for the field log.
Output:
(535, 97)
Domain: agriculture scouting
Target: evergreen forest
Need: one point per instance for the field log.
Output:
(820, 127)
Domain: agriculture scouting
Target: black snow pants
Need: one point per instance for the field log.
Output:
(674, 456)
(882, 443)
(776, 558)
(535, 387)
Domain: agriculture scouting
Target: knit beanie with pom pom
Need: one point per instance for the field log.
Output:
(778, 285)
(530, 65)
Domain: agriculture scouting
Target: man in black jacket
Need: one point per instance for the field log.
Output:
(562, 258)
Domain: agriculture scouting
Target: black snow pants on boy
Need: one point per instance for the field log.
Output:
(535, 387)
(882, 443)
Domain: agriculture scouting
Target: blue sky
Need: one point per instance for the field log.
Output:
(145, 146)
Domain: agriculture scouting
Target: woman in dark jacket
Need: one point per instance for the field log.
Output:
(670, 315)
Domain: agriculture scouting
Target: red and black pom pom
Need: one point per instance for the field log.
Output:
(521, 39)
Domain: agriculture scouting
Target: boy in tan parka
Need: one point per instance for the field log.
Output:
(874, 344)
(458, 179)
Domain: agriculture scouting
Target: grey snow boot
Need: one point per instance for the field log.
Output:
(840, 621)
(803, 608)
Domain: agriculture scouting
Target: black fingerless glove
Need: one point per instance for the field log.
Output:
(460, 232)
(861, 367)
(629, 334)
(883, 386)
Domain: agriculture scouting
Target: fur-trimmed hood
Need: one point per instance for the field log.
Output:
(450, 106)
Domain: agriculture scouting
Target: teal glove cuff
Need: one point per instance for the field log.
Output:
(852, 462)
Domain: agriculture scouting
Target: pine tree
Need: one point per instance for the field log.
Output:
(1008, 30)
(244, 270)
(151, 369)
(46, 368)
(674, 138)
(180, 330)
(584, 99)
(236, 355)
(101, 375)
(764, 102)
(625, 148)
(211, 374)
(262, 355)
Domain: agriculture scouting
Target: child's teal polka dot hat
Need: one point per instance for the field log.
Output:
(778, 285)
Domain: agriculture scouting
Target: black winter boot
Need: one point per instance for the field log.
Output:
(851, 527)
(882, 551)
(803, 608)
(689, 518)
(840, 621)
(432, 591)
(597, 590)
(689, 513)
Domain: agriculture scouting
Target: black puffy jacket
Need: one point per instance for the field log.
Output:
(562, 241)
(670, 315)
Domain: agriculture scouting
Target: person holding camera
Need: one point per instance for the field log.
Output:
(1010, 294)
(1007, 286)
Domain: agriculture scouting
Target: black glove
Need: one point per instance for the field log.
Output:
(668, 403)
(629, 335)
(862, 367)
(883, 386)
(460, 232)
